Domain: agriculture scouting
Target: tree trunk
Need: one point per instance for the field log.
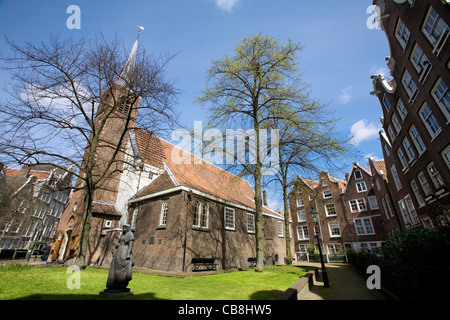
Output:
(259, 221)
(80, 260)
(286, 225)
(260, 237)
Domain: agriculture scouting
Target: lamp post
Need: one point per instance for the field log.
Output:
(315, 216)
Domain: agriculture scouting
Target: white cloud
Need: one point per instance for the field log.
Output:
(363, 131)
(379, 70)
(345, 96)
(227, 5)
(372, 155)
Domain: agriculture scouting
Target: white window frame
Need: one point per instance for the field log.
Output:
(443, 98)
(401, 109)
(134, 218)
(435, 176)
(396, 123)
(361, 187)
(251, 226)
(333, 226)
(326, 196)
(229, 218)
(300, 202)
(333, 248)
(402, 34)
(204, 220)
(398, 183)
(360, 174)
(417, 194)
(302, 235)
(432, 23)
(410, 86)
(386, 103)
(385, 208)
(424, 184)
(364, 227)
(446, 156)
(280, 229)
(373, 202)
(360, 205)
(392, 134)
(301, 216)
(411, 210)
(329, 208)
(402, 157)
(408, 149)
(417, 140)
(430, 121)
(420, 62)
(197, 214)
(164, 210)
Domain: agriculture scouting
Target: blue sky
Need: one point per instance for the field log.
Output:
(340, 53)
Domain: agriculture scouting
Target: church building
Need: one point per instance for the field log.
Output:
(178, 212)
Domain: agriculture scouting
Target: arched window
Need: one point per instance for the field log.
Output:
(205, 216)
(197, 213)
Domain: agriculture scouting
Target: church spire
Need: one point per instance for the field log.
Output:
(130, 64)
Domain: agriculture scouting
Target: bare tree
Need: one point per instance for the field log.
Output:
(72, 103)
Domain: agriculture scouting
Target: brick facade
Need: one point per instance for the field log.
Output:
(416, 111)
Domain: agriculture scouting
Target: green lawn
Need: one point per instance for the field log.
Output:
(50, 283)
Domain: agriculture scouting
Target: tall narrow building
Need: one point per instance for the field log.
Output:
(415, 100)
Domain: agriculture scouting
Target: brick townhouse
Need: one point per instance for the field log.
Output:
(415, 101)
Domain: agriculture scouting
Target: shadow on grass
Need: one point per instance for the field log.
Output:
(265, 295)
(144, 296)
(258, 295)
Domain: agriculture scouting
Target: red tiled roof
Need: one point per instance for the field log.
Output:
(380, 166)
(40, 175)
(104, 209)
(150, 148)
(204, 177)
(11, 172)
(163, 182)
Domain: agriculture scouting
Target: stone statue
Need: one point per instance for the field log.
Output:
(120, 271)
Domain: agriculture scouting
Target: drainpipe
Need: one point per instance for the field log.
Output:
(189, 198)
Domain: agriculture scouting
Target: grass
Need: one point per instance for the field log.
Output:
(50, 283)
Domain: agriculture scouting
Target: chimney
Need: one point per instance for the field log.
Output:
(265, 198)
(346, 177)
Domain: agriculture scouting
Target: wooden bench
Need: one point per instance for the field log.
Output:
(208, 263)
(252, 262)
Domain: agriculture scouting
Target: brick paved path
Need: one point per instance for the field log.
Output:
(345, 284)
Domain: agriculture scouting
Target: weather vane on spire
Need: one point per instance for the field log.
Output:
(140, 29)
